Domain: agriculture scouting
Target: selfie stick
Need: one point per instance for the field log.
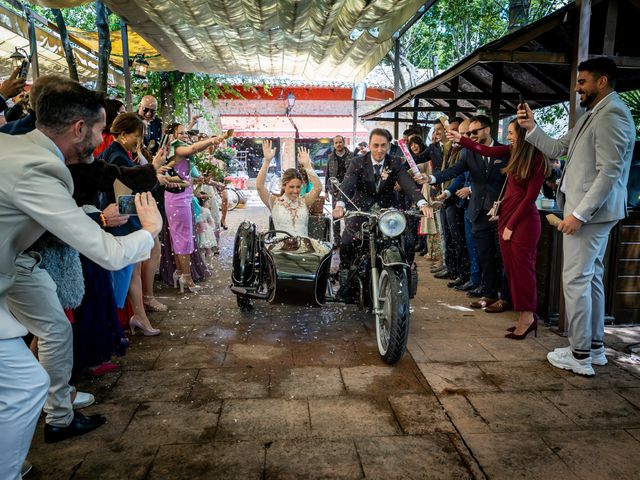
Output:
(408, 157)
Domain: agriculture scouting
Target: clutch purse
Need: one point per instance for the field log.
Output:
(493, 211)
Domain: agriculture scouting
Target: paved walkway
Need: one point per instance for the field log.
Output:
(300, 393)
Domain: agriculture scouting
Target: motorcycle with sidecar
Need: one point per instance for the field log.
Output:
(280, 268)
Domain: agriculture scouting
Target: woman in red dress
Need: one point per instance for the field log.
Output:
(519, 220)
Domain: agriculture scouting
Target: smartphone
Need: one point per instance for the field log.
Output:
(164, 140)
(521, 101)
(24, 69)
(127, 205)
(445, 122)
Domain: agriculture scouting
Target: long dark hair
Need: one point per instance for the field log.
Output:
(523, 156)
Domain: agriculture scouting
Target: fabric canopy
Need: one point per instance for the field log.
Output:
(280, 126)
(305, 39)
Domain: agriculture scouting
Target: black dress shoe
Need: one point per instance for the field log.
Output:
(477, 293)
(80, 425)
(443, 274)
(458, 281)
(465, 287)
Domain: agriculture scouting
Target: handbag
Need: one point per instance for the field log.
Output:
(493, 211)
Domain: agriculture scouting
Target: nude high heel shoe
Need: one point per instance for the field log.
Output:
(148, 332)
(184, 283)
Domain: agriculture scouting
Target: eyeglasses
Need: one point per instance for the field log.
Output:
(475, 132)
(147, 110)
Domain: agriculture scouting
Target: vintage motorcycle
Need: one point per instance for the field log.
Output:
(380, 278)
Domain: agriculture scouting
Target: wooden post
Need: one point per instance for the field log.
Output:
(124, 34)
(581, 30)
(33, 43)
(495, 99)
(453, 104)
(610, 29)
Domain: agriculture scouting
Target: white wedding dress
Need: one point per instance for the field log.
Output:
(293, 217)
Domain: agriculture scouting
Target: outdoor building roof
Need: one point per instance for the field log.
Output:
(310, 40)
(534, 61)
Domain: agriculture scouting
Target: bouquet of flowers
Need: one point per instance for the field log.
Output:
(225, 153)
(208, 168)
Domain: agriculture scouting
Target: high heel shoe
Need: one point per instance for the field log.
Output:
(185, 284)
(148, 332)
(533, 327)
(176, 277)
(535, 319)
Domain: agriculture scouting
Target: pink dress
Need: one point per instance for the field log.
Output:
(178, 207)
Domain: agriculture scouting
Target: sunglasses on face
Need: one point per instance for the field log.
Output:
(475, 132)
(147, 110)
(467, 134)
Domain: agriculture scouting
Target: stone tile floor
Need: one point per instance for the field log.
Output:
(300, 393)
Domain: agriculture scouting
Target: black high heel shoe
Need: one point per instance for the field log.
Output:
(533, 327)
(224, 227)
(535, 320)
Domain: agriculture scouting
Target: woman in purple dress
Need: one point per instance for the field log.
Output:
(177, 203)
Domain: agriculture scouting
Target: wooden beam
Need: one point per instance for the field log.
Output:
(608, 47)
(525, 57)
(453, 103)
(531, 32)
(546, 79)
(444, 109)
(416, 104)
(125, 65)
(623, 62)
(581, 33)
(488, 95)
(417, 16)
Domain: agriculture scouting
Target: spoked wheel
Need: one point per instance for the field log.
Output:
(233, 199)
(392, 324)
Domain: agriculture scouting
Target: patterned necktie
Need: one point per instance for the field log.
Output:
(376, 175)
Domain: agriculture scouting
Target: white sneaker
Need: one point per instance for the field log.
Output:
(83, 400)
(598, 357)
(563, 358)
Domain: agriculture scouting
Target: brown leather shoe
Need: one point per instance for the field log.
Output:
(484, 302)
(499, 307)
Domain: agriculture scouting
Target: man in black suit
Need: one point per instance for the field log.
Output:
(147, 110)
(487, 181)
(369, 183)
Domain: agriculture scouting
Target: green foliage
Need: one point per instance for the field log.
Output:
(83, 17)
(632, 99)
(450, 31)
(208, 168)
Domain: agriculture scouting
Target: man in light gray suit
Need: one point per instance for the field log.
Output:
(593, 196)
(35, 195)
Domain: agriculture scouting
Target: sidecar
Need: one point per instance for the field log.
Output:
(279, 268)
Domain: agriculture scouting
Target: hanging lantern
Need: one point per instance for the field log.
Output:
(18, 57)
(140, 66)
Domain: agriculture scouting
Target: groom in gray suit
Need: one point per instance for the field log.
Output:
(593, 196)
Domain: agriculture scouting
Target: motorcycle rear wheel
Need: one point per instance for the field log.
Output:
(392, 324)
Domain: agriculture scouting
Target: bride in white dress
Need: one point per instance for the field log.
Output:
(289, 210)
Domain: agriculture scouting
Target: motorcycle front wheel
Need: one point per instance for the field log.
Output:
(392, 324)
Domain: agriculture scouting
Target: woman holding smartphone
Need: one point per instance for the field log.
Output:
(519, 220)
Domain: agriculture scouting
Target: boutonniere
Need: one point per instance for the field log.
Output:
(384, 174)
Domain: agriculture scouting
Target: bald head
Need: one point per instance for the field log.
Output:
(148, 107)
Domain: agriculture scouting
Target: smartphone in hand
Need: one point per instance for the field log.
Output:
(24, 69)
(521, 103)
(127, 205)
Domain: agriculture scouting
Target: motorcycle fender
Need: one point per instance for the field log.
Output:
(392, 256)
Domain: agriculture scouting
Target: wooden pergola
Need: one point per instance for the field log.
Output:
(538, 62)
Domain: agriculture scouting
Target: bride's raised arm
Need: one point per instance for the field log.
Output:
(305, 162)
(268, 153)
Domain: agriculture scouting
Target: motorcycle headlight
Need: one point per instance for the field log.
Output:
(392, 223)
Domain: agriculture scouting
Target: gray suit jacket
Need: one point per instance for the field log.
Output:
(598, 149)
(35, 195)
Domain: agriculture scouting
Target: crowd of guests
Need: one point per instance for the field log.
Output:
(91, 266)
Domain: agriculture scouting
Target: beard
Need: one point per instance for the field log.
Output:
(588, 100)
(85, 149)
